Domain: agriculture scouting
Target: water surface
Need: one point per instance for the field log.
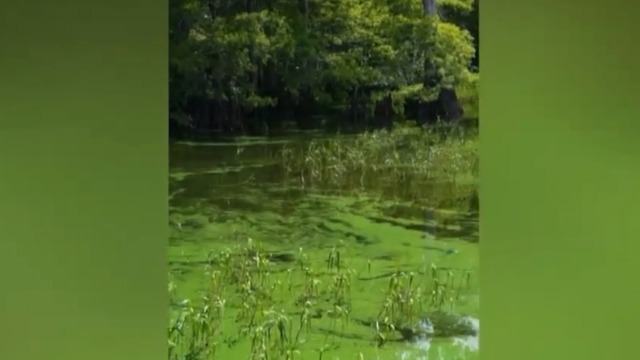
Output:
(222, 194)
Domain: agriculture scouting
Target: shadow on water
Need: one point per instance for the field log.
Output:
(248, 179)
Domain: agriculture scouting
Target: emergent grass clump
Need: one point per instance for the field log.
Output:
(307, 306)
(405, 161)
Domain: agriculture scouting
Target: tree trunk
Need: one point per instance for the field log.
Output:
(450, 105)
(447, 106)
(430, 7)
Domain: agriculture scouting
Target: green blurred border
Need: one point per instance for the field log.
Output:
(560, 180)
(83, 114)
(83, 98)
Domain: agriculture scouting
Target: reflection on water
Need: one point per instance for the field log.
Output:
(424, 348)
(470, 342)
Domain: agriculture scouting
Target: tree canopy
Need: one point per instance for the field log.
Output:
(245, 66)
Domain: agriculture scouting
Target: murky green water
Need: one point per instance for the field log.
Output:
(223, 194)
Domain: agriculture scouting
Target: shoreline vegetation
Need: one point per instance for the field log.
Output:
(263, 66)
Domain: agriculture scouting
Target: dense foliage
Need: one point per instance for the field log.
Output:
(247, 66)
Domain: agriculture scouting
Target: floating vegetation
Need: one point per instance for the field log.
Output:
(368, 248)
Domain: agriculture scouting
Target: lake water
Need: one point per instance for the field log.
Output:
(222, 194)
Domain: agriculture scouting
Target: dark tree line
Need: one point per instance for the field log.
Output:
(254, 65)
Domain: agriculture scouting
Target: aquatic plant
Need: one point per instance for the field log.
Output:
(247, 301)
(405, 162)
